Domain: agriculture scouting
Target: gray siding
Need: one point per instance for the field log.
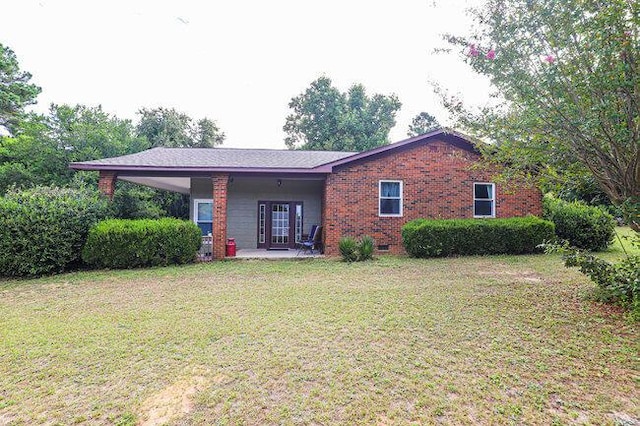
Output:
(200, 188)
(242, 204)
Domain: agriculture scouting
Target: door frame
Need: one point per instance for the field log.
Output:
(268, 223)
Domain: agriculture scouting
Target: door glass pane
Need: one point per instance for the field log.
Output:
(205, 227)
(298, 231)
(280, 223)
(205, 211)
(261, 224)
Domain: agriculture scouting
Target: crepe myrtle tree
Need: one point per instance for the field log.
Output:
(566, 75)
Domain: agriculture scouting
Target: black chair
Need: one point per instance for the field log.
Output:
(313, 241)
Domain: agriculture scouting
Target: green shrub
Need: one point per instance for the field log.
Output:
(445, 237)
(582, 226)
(123, 243)
(348, 247)
(365, 248)
(356, 251)
(42, 230)
(617, 283)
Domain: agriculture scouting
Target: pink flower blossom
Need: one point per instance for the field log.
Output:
(491, 54)
(473, 51)
(550, 59)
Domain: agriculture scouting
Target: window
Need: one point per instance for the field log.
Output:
(298, 229)
(484, 200)
(203, 215)
(390, 198)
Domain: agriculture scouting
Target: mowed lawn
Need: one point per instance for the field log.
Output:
(477, 340)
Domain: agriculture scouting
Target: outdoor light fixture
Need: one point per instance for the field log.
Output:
(279, 183)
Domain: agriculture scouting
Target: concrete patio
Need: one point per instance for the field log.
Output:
(275, 254)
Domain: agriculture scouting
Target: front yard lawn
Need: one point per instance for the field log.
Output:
(480, 340)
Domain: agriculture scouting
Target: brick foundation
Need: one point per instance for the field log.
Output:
(437, 183)
(220, 182)
(107, 183)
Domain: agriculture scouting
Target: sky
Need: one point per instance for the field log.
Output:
(238, 62)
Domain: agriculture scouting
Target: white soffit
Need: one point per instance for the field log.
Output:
(175, 184)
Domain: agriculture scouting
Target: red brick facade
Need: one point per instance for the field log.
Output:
(220, 183)
(107, 183)
(437, 179)
(437, 171)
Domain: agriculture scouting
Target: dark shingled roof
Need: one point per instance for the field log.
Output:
(222, 158)
(204, 160)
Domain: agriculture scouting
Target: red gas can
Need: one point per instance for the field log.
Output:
(231, 247)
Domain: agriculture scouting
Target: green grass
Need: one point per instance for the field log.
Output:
(623, 242)
(479, 340)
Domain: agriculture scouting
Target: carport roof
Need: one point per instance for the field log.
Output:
(201, 159)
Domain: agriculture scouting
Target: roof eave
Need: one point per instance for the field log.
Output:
(322, 169)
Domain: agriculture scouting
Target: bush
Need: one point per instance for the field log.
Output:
(582, 226)
(433, 237)
(348, 247)
(618, 283)
(365, 248)
(123, 243)
(356, 251)
(42, 230)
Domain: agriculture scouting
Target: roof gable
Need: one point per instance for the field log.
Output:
(445, 135)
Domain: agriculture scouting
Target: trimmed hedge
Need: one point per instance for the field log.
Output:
(582, 226)
(446, 237)
(125, 243)
(42, 230)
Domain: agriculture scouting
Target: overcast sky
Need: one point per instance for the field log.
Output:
(237, 62)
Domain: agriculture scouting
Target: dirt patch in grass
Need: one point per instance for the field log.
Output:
(173, 402)
(516, 276)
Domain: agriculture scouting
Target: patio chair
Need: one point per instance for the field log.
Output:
(313, 241)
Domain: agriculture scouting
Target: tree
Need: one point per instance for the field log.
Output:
(44, 146)
(89, 133)
(15, 90)
(30, 159)
(324, 118)
(422, 123)
(568, 79)
(170, 128)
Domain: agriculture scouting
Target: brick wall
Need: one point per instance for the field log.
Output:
(107, 183)
(220, 182)
(437, 183)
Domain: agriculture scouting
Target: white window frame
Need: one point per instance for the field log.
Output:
(493, 200)
(197, 201)
(380, 182)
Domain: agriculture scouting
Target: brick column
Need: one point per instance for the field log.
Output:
(219, 214)
(107, 183)
(328, 219)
